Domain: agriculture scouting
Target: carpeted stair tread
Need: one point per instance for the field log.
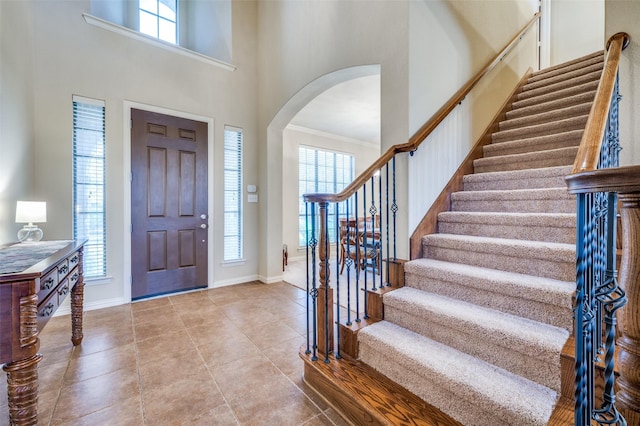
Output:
(544, 129)
(537, 298)
(576, 81)
(527, 160)
(531, 98)
(555, 104)
(539, 200)
(549, 227)
(470, 390)
(548, 177)
(597, 67)
(547, 116)
(528, 348)
(563, 68)
(544, 259)
(537, 143)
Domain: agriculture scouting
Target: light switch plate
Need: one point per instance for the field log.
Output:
(252, 198)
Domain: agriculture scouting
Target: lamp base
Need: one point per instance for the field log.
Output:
(30, 233)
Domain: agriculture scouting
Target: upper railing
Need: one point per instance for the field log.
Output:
(598, 295)
(360, 222)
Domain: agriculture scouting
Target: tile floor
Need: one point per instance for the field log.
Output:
(224, 356)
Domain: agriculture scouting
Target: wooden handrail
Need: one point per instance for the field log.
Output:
(589, 151)
(426, 129)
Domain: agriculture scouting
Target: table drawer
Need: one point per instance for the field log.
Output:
(73, 260)
(73, 277)
(47, 308)
(47, 284)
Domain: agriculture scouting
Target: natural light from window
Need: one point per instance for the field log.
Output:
(158, 18)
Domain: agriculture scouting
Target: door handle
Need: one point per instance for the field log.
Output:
(203, 225)
(203, 216)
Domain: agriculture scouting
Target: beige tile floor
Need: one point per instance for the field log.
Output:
(224, 356)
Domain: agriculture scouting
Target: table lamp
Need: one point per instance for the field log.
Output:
(30, 212)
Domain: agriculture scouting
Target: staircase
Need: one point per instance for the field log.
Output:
(480, 325)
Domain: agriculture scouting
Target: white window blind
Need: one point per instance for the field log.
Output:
(325, 172)
(159, 19)
(89, 219)
(232, 193)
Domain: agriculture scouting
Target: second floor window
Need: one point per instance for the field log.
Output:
(159, 19)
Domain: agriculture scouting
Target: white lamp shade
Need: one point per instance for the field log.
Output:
(31, 212)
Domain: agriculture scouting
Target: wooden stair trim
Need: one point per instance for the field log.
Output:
(361, 395)
(429, 223)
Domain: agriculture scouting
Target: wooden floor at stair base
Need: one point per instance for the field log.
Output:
(363, 396)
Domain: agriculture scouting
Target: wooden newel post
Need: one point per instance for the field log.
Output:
(628, 395)
(325, 292)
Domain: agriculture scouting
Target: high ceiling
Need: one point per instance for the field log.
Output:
(350, 109)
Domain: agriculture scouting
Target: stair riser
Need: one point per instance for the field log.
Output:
(529, 99)
(533, 265)
(546, 117)
(516, 206)
(552, 105)
(489, 294)
(532, 145)
(523, 231)
(546, 129)
(543, 368)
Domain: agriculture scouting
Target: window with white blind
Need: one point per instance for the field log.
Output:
(89, 219)
(159, 19)
(326, 172)
(232, 194)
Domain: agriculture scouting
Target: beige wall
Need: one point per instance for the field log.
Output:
(464, 36)
(16, 113)
(624, 15)
(577, 28)
(364, 154)
(306, 47)
(72, 57)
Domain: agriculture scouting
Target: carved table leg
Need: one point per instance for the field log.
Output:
(77, 296)
(22, 390)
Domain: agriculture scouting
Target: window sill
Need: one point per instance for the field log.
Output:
(127, 32)
(97, 280)
(230, 263)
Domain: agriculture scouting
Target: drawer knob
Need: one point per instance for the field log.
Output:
(74, 259)
(48, 310)
(63, 269)
(48, 283)
(64, 290)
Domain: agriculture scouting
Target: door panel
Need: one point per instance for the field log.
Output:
(168, 199)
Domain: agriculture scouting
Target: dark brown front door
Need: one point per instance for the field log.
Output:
(168, 204)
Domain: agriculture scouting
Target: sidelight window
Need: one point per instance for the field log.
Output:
(232, 194)
(89, 218)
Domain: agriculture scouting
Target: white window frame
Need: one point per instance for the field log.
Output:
(333, 183)
(89, 146)
(157, 15)
(233, 247)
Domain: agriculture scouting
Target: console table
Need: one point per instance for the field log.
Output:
(34, 280)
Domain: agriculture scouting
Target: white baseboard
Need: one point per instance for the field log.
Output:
(233, 281)
(65, 309)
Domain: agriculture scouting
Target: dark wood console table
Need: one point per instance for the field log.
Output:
(34, 280)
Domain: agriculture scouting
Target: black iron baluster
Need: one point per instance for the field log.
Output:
(386, 186)
(580, 410)
(372, 211)
(306, 219)
(324, 205)
(346, 259)
(377, 246)
(338, 356)
(313, 242)
(394, 208)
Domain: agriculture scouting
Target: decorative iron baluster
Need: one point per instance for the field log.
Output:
(346, 259)
(306, 227)
(376, 246)
(387, 206)
(394, 208)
